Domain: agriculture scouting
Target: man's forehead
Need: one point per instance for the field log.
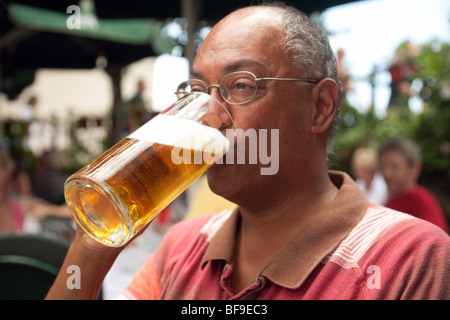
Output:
(239, 64)
(248, 39)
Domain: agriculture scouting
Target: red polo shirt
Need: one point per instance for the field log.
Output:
(349, 250)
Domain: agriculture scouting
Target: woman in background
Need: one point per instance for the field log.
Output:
(11, 213)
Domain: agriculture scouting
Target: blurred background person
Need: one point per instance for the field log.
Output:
(135, 112)
(28, 111)
(11, 214)
(47, 205)
(401, 165)
(364, 165)
(401, 71)
(48, 179)
(343, 73)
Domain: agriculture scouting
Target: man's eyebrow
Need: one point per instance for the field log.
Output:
(233, 67)
(243, 64)
(196, 74)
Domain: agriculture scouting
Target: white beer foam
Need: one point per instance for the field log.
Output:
(182, 133)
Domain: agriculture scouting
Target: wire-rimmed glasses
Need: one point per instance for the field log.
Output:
(235, 88)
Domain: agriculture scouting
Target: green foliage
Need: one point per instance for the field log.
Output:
(430, 128)
(433, 134)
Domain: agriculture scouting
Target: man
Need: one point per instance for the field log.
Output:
(401, 164)
(302, 233)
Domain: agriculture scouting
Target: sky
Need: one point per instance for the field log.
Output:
(371, 30)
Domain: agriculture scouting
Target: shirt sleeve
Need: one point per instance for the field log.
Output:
(145, 284)
(149, 280)
(414, 263)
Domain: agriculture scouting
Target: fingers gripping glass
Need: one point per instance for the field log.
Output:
(235, 88)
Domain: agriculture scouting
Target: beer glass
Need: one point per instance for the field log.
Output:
(123, 189)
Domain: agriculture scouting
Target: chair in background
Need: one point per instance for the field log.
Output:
(29, 264)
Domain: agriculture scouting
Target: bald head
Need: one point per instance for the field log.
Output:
(254, 29)
(265, 16)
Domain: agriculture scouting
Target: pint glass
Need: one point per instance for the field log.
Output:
(122, 190)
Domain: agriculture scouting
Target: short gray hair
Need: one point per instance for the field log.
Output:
(310, 50)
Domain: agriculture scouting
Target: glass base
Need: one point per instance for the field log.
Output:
(98, 210)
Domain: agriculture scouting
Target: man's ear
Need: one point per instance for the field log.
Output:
(326, 99)
(416, 169)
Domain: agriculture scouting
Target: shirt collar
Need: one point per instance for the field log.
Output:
(319, 237)
(221, 246)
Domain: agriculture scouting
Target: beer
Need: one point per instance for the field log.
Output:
(127, 186)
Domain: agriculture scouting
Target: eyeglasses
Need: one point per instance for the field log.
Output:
(235, 88)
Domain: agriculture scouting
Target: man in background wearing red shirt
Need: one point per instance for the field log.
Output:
(401, 164)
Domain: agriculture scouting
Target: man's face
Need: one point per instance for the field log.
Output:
(248, 42)
(398, 173)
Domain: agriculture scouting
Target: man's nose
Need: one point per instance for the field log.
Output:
(218, 115)
(215, 93)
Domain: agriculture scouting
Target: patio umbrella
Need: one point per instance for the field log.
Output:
(33, 37)
(195, 11)
(126, 31)
(35, 34)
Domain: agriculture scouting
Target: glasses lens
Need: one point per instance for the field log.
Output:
(239, 87)
(191, 85)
